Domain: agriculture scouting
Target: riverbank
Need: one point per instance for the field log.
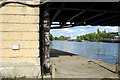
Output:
(81, 67)
(57, 53)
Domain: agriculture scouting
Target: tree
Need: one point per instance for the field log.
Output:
(99, 32)
(56, 38)
(80, 38)
(87, 37)
(95, 37)
(51, 37)
(62, 38)
(104, 31)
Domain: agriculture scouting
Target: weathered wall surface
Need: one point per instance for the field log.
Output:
(20, 26)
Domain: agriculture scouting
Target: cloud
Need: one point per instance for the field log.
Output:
(78, 34)
(114, 29)
(83, 33)
(111, 29)
(55, 25)
(71, 35)
(68, 30)
(61, 34)
(81, 29)
(64, 30)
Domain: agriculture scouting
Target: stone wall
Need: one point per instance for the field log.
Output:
(20, 25)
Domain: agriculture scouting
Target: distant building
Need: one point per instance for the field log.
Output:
(112, 39)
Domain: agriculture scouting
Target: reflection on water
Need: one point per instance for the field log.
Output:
(107, 52)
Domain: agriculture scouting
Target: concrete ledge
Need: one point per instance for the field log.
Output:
(27, 71)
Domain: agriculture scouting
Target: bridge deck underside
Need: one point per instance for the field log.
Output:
(84, 13)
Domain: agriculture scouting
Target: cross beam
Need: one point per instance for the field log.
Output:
(58, 11)
(110, 21)
(81, 12)
(105, 19)
(97, 15)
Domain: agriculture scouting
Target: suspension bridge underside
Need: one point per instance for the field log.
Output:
(71, 14)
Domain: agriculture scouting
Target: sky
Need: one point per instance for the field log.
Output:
(81, 30)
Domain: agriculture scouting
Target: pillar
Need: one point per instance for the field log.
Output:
(44, 39)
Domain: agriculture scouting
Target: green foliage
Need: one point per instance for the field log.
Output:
(92, 37)
(56, 38)
(62, 38)
(51, 37)
(80, 38)
(95, 37)
(15, 78)
(9, 78)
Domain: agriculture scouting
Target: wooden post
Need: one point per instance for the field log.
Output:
(117, 65)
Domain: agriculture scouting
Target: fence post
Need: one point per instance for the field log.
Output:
(117, 65)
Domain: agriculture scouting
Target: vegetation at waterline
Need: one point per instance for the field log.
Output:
(95, 37)
(92, 37)
(51, 37)
(57, 38)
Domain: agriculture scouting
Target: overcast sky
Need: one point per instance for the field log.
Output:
(81, 30)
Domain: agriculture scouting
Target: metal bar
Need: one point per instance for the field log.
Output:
(74, 9)
(105, 19)
(111, 21)
(98, 15)
(104, 11)
(60, 27)
(57, 13)
(76, 16)
(60, 24)
(91, 18)
(116, 24)
(79, 13)
(94, 10)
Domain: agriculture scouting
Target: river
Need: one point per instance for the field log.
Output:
(106, 52)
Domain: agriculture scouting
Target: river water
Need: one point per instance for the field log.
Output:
(106, 52)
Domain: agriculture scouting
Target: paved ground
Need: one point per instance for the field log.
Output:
(82, 67)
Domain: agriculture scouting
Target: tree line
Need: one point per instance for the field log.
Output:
(95, 37)
(92, 37)
(57, 38)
